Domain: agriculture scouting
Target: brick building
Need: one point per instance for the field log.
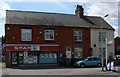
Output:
(117, 46)
(43, 38)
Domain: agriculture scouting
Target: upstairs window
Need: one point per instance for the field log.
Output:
(102, 36)
(26, 34)
(49, 34)
(77, 36)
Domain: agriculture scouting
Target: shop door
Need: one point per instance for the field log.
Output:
(14, 58)
(48, 57)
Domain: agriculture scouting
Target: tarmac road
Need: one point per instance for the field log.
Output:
(57, 72)
(63, 71)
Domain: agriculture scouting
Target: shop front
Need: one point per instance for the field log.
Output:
(29, 54)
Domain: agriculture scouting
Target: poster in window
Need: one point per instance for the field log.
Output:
(45, 56)
(55, 56)
(41, 56)
(68, 54)
(14, 58)
(50, 55)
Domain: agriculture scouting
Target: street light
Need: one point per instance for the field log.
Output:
(106, 52)
(102, 45)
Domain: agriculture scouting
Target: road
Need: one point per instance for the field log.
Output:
(56, 72)
(70, 71)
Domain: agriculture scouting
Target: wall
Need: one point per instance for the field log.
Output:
(95, 40)
(63, 37)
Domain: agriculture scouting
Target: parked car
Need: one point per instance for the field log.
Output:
(89, 61)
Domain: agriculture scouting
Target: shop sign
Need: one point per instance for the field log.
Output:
(22, 47)
(51, 48)
(18, 47)
(35, 48)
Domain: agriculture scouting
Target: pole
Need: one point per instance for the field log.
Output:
(102, 60)
(106, 52)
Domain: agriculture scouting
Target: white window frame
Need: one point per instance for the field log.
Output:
(26, 34)
(76, 34)
(50, 32)
(78, 53)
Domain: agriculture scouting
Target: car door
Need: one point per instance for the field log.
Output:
(88, 62)
(95, 61)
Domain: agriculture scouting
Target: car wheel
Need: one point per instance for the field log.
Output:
(82, 65)
(99, 64)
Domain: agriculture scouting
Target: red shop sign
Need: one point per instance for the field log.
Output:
(18, 47)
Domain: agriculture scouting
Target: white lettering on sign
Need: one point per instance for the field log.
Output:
(16, 48)
(22, 47)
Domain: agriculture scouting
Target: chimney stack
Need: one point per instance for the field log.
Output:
(79, 11)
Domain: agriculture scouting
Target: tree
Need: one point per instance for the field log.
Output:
(3, 45)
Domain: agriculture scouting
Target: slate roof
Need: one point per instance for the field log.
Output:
(54, 19)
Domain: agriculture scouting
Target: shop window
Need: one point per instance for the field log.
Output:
(26, 35)
(78, 52)
(14, 58)
(30, 58)
(49, 34)
(77, 36)
(48, 57)
(21, 56)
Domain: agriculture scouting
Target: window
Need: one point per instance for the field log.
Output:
(89, 59)
(77, 35)
(95, 59)
(78, 52)
(102, 36)
(104, 52)
(26, 35)
(68, 52)
(49, 34)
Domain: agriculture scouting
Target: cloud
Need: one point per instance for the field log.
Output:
(94, 1)
(59, 0)
(3, 8)
(103, 8)
(116, 30)
(34, 1)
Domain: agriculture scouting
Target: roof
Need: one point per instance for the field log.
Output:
(54, 19)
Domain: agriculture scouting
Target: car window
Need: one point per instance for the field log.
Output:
(89, 59)
(95, 59)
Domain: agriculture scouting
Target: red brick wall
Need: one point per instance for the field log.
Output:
(117, 41)
(117, 44)
(7, 58)
(63, 37)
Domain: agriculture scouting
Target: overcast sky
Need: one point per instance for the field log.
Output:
(94, 8)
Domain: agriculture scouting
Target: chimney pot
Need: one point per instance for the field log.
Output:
(79, 11)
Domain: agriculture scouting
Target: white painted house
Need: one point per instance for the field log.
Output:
(107, 31)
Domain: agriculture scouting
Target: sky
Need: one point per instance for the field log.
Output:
(91, 8)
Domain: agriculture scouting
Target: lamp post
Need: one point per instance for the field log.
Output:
(102, 45)
(106, 52)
